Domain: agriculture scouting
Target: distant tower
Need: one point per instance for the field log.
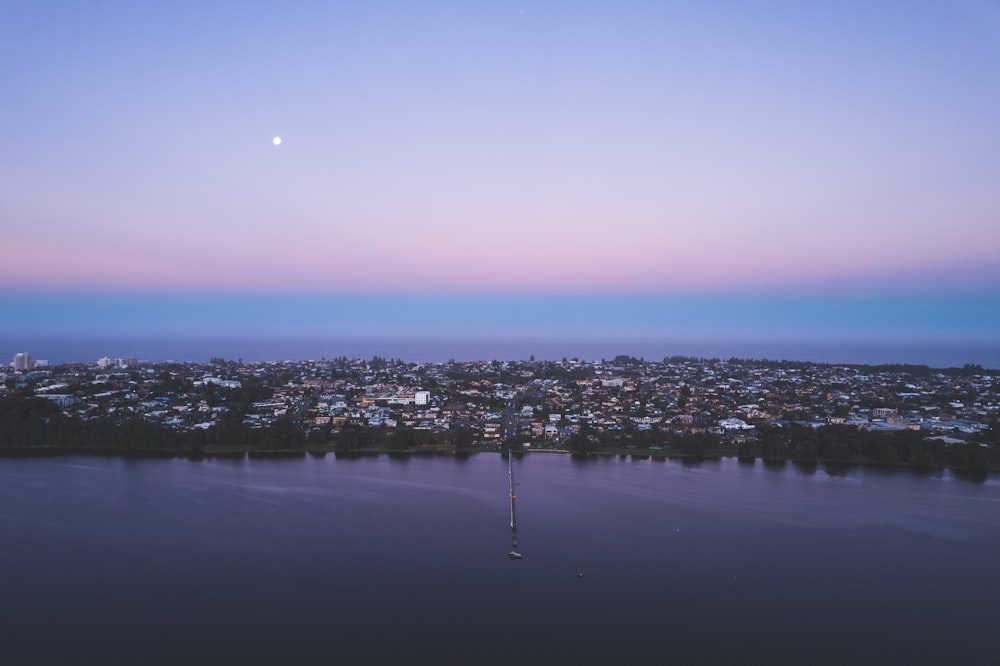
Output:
(22, 361)
(104, 363)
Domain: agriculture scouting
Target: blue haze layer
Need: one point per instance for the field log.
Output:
(938, 331)
(969, 318)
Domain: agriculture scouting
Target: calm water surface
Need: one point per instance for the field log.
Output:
(403, 560)
(436, 349)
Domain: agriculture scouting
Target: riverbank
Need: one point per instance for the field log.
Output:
(427, 451)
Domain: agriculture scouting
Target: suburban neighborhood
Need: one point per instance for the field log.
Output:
(677, 405)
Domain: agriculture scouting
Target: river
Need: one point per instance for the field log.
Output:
(404, 560)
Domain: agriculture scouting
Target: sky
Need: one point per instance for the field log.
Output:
(538, 168)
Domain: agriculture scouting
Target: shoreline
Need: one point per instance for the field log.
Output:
(162, 454)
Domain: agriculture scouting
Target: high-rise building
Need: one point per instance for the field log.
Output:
(104, 363)
(22, 361)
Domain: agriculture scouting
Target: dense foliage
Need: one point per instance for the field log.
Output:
(37, 423)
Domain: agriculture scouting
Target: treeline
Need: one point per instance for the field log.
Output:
(589, 440)
(832, 443)
(38, 423)
(396, 439)
(286, 436)
(967, 370)
(842, 443)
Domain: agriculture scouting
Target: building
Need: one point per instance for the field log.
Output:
(735, 424)
(422, 397)
(22, 362)
(63, 400)
(224, 383)
(104, 363)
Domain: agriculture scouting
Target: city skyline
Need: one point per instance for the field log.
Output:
(601, 170)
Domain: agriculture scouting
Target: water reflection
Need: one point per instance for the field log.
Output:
(975, 477)
(277, 455)
(837, 468)
(699, 462)
(925, 472)
(355, 455)
(319, 555)
(806, 467)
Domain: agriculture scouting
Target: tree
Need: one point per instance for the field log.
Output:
(772, 445)
(318, 438)
(886, 453)
(699, 444)
(581, 442)
(805, 450)
(462, 439)
(283, 435)
(747, 449)
(683, 396)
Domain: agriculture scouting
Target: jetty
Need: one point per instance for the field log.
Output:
(514, 554)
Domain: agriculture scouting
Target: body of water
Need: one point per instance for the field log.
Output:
(437, 349)
(404, 560)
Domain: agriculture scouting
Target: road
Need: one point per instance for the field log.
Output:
(307, 401)
(510, 421)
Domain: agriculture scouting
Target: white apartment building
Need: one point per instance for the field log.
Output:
(22, 362)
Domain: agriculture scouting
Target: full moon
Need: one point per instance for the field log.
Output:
(276, 140)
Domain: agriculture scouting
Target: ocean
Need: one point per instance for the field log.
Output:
(425, 349)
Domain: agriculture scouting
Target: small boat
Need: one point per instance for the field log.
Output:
(514, 555)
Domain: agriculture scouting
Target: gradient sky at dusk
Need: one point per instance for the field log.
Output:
(597, 168)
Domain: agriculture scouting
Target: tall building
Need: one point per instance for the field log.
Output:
(104, 363)
(22, 361)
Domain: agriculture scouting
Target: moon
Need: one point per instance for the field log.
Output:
(276, 140)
